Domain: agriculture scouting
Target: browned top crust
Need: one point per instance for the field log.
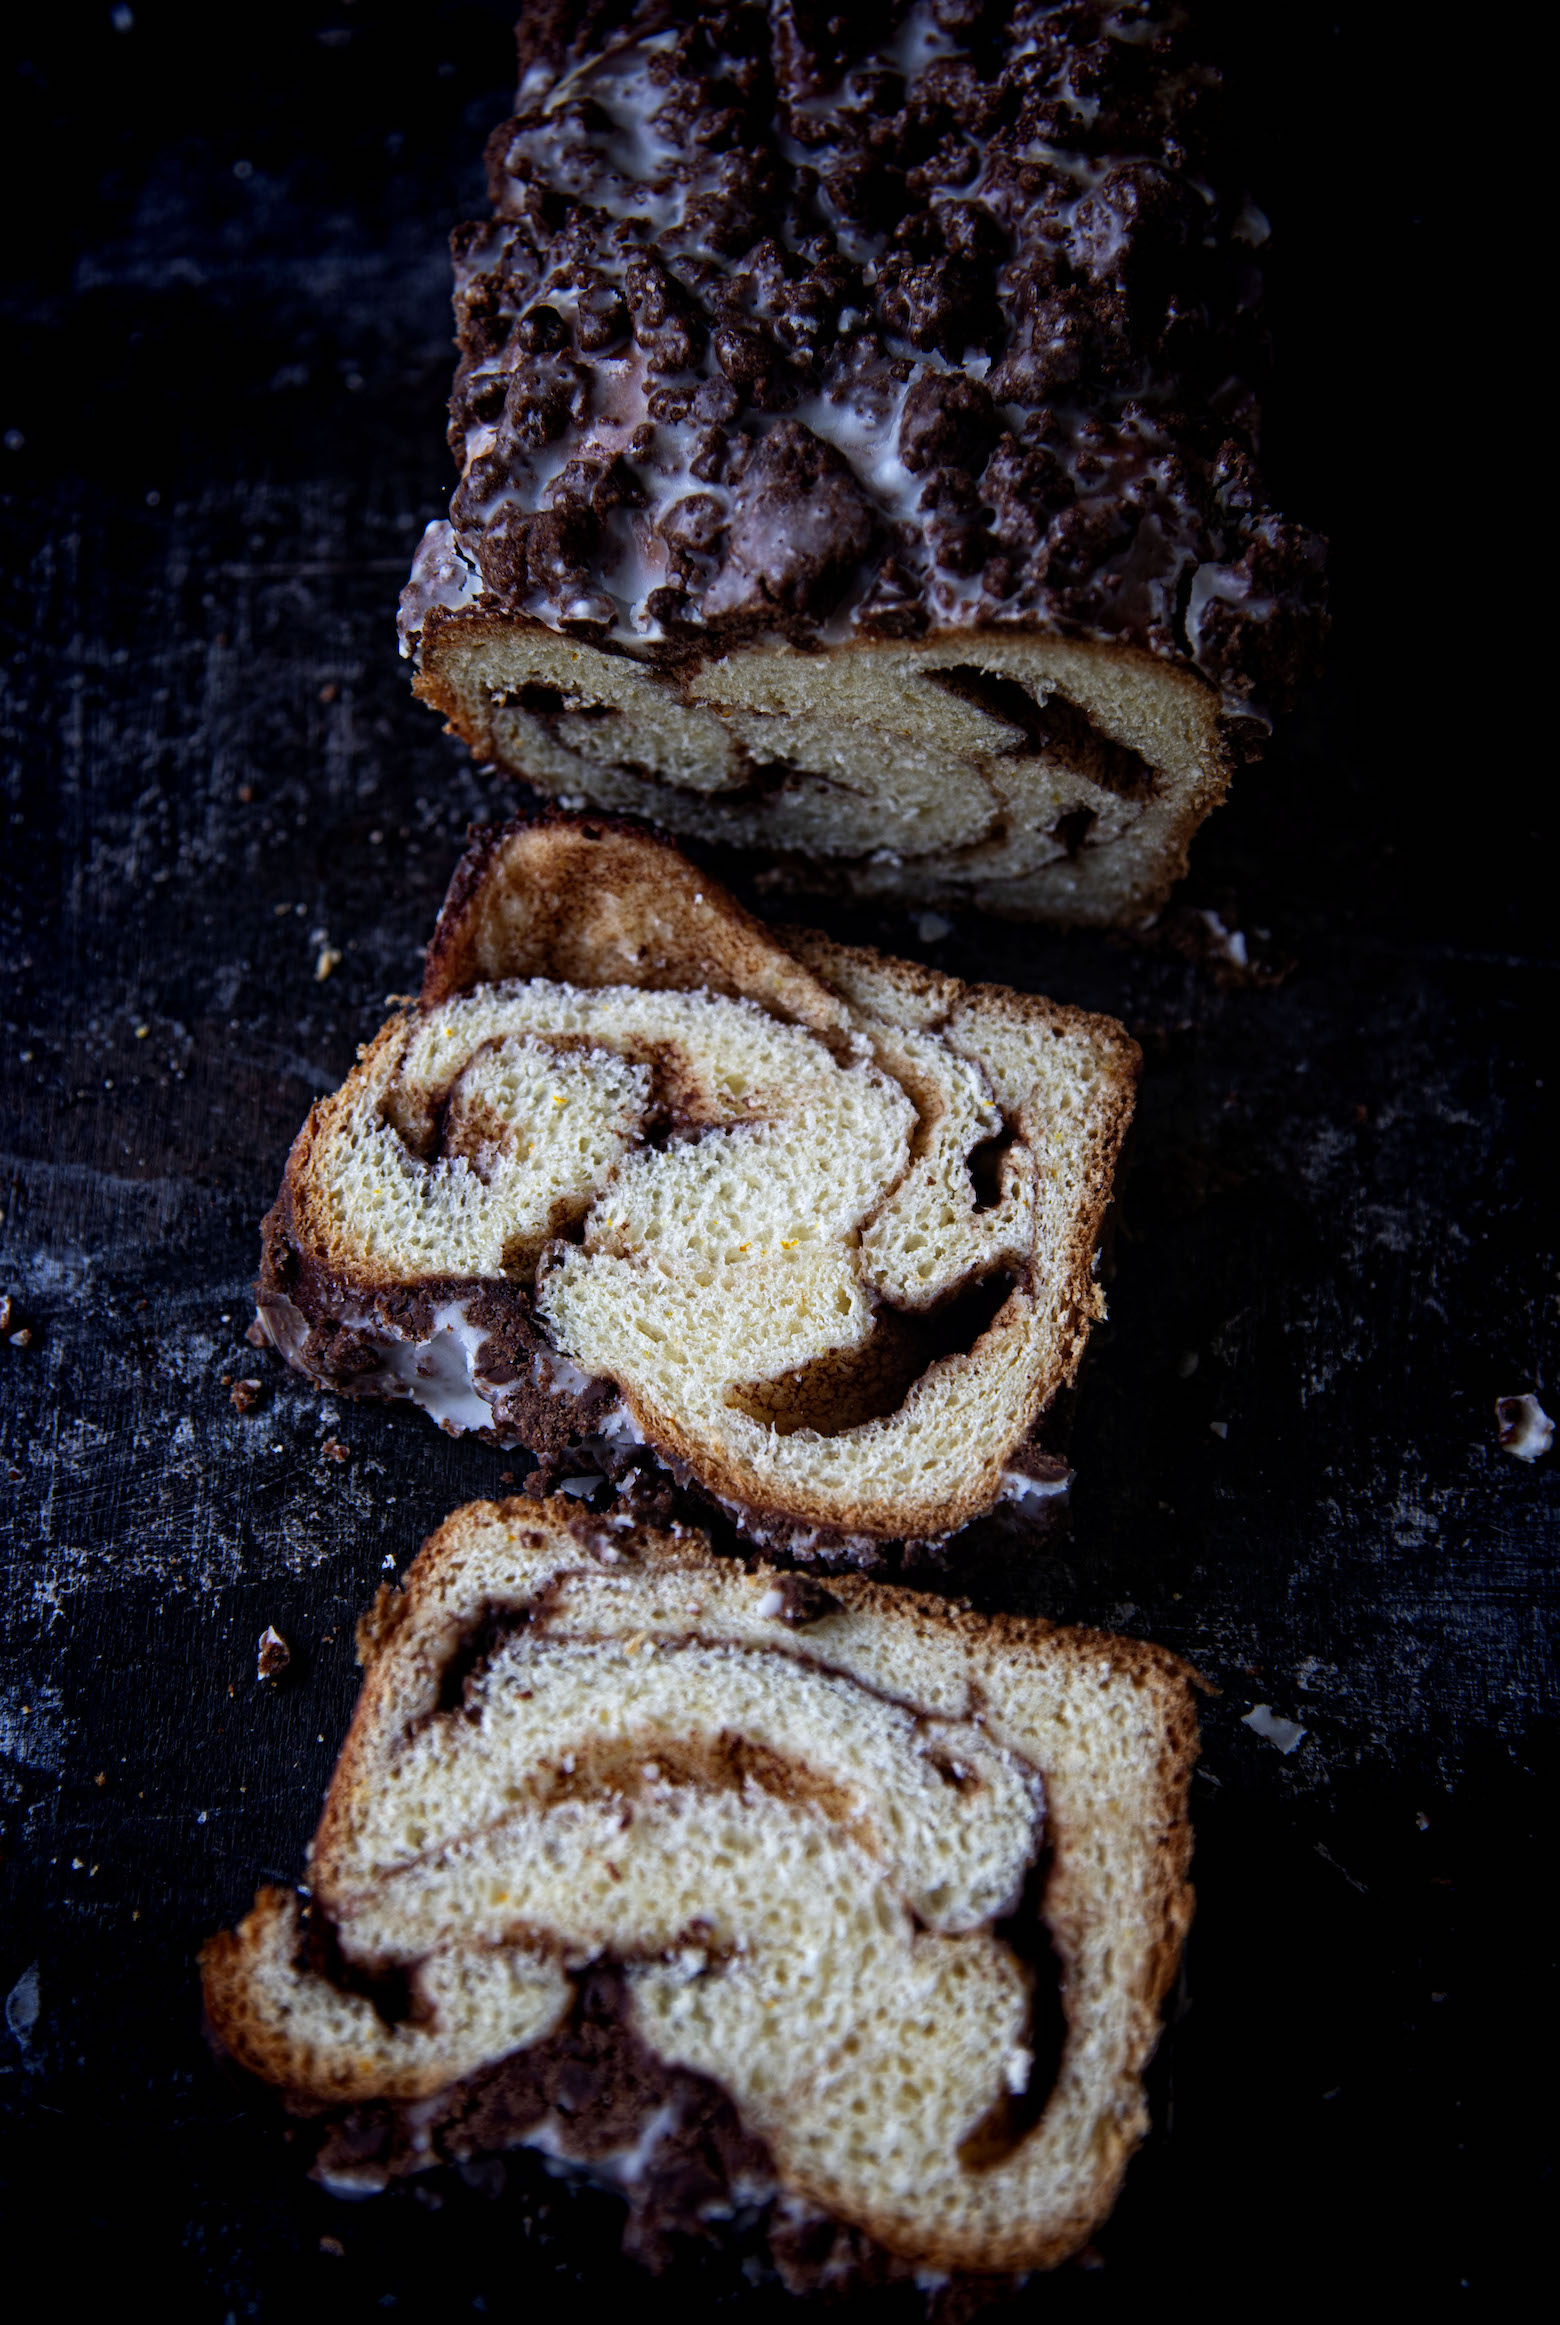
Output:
(602, 900)
(834, 328)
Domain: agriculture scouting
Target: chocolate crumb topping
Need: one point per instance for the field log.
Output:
(822, 328)
(671, 2140)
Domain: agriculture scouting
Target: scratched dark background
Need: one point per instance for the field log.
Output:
(227, 350)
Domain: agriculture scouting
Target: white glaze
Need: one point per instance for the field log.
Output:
(1016, 1487)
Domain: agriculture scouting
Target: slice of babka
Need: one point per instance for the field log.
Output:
(836, 1906)
(638, 1176)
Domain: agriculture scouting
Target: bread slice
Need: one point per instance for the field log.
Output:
(1032, 777)
(815, 1227)
(627, 1840)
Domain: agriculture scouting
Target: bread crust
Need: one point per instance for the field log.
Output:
(1011, 1665)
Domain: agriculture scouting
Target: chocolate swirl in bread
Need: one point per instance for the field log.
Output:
(857, 446)
(815, 1228)
(823, 1870)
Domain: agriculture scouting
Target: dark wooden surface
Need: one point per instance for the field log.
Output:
(228, 352)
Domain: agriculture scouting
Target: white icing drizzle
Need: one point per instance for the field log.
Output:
(439, 1373)
(559, 1375)
(442, 575)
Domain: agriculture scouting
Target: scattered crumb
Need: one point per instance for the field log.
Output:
(246, 795)
(334, 1450)
(256, 1336)
(327, 963)
(1215, 941)
(101, 1778)
(23, 1339)
(1186, 1364)
(246, 1394)
(1421, 1820)
(1220, 1428)
(1228, 944)
(931, 928)
(1287, 1735)
(333, 2244)
(274, 1654)
(329, 692)
(1526, 1430)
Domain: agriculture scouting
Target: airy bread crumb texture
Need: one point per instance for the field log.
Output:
(743, 1178)
(801, 1843)
(1037, 777)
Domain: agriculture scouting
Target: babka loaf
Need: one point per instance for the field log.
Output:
(856, 430)
(838, 1903)
(636, 1178)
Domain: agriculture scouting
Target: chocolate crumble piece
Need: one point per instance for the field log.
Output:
(798, 1599)
(246, 1394)
(801, 526)
(273, 1654)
